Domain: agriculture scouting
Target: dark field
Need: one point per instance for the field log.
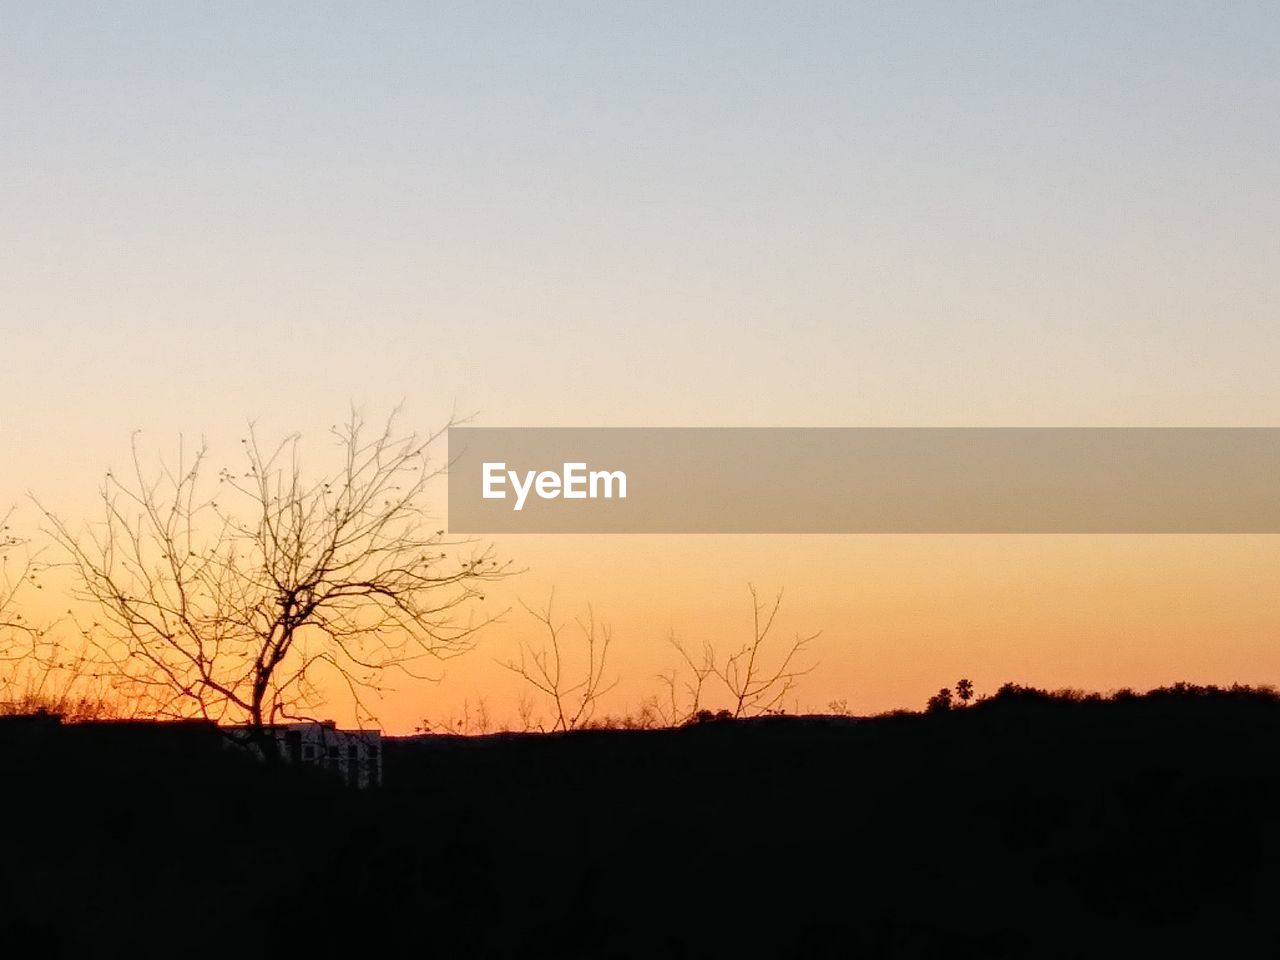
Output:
(1021, 826)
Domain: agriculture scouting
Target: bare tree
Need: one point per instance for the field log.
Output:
(228, 600)
(36, 675)
(571, 683)
(466, 722)
(16, 634)
(12, 575)
(752, 680)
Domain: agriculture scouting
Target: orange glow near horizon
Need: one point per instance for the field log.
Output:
(903, 615)
(899, 616)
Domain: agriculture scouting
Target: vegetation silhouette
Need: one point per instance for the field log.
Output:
(233, 595)
(567, 674)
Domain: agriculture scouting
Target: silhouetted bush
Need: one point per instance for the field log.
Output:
(709, 716)
(940, 702)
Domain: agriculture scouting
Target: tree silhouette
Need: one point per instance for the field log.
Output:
(754, 679)
(572, 684)
(229, 600)
(940, 702)
(12, 574)
(20, 637)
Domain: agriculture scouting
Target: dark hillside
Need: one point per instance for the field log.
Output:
(1023, 825)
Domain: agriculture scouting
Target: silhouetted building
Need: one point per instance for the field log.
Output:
(353, 755)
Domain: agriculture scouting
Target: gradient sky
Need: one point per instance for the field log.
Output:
(712, 214)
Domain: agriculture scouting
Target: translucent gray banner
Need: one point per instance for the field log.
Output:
(864, 480)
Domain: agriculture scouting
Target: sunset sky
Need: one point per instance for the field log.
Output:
(730, 214)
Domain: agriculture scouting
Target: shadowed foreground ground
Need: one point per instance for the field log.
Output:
(1020, 826)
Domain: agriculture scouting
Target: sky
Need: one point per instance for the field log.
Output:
(594, 214)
